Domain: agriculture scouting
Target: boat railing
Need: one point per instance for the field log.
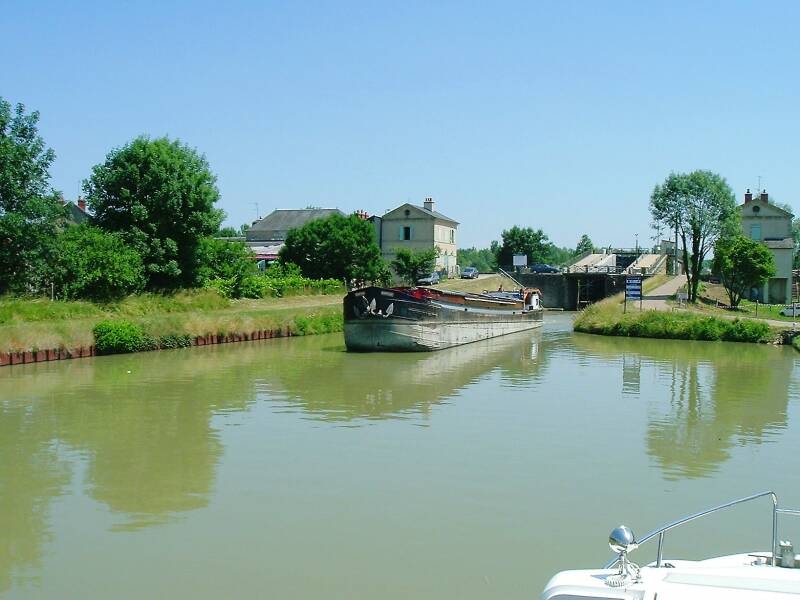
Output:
(661, 531)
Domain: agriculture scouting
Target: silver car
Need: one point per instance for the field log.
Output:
(791, 311)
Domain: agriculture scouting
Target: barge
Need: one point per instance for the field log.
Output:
(422, 319)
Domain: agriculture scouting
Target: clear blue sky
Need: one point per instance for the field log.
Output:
(559, 115)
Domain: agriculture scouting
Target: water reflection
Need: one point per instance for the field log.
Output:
(707, 397)
(141, 424)
(326, 383)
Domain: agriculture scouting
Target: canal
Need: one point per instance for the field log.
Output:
(290, 469)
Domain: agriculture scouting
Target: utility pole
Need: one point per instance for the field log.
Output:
(258, 212)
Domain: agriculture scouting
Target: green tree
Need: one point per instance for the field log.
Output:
(227, 232)
(524, 240)
(482, 259)
(336, 247)
(742, 264)
(231, 261)
(412, 265)
(585, 246)
(703, 209)
(93, 264)
(29, 208)
(159, 194)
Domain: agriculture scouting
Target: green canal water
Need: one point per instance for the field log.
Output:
(291, 469)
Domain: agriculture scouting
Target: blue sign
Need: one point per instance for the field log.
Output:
(633, 288)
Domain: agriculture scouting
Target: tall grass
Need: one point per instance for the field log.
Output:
(607, 319)
(27, 324)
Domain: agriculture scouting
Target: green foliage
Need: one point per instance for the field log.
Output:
(561, 256)
(336, 247)
(601, 320)
(585, 246)
(483, 259)
(796, 342)
(119, 336)
(93, 264)
(703, 208)
(412, 265)
(276, 282)
(742, 264)
(228, 232)
(317, 323)
(796, 238)
(159, 195)
(232, 262)
(524, 240)
(167, 342)
(29, 208)
(28, 310)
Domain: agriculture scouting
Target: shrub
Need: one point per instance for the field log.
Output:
(174, 341)
(95, 265)
(118, 337)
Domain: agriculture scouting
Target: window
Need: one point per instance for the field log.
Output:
(755, 231)
(406, 233)
(452, 236)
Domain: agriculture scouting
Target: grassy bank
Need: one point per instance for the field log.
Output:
(33, 324)
(796, 343)
(607, 318)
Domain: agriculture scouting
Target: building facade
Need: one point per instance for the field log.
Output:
(418, 228)
(772, 226)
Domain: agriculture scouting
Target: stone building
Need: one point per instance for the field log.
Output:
(772, 226)
(418, 228)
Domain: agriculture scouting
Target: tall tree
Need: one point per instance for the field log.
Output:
(159, 195)
(702, 208)
(585, 246)
(29, 207)
(524, 240)
(412, 265)
(336, 247)
(742, 264)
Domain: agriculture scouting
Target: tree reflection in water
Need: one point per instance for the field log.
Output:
(719, 395)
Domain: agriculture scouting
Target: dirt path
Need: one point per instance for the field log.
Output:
(657, 298)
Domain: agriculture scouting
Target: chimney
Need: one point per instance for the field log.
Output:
(82, 204)
(428, 204)
(764, 197)
(748, 196)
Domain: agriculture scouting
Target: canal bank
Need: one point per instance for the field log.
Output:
(42, 331)
(655, 317)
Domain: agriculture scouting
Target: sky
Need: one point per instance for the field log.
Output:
(555, 115)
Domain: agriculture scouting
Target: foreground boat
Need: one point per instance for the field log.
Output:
(421, 319)
(758, 575)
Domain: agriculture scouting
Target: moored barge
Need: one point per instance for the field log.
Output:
(423, 319)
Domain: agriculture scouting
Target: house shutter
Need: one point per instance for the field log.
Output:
(400, 233)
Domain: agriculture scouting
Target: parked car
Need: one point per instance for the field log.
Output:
(543, 268)
(791, 311)
(469, 273)
(431, 279)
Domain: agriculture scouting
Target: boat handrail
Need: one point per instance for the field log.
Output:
(664, 528)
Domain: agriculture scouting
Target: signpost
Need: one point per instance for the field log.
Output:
(633, 290)
(520, 260)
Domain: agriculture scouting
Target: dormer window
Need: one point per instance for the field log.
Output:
(756, 209)
(406, 212)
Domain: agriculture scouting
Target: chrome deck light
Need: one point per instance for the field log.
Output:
(622, 541)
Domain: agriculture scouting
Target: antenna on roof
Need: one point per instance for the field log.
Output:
(258, 212)
(759, 184)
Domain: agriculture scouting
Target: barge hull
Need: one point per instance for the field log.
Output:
(424, 336)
